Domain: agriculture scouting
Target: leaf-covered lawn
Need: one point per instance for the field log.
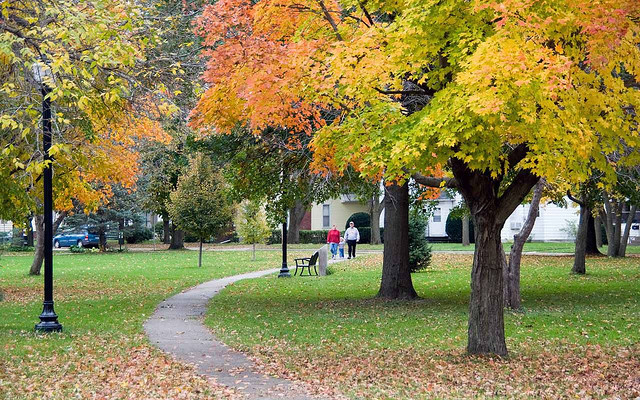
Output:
(102, 301)
(578, 336)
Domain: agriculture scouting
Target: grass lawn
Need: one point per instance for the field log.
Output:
(102, 301)
(578, 337)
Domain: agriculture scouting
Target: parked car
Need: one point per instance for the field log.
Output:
(81, 238)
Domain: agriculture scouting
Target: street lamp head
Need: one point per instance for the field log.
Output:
(41, 71)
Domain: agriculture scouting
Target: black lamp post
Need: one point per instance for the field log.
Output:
(284, 270)
(48, 318)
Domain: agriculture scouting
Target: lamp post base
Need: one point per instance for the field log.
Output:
(284, 272)
(48, 319)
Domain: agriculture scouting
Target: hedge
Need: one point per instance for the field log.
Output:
(453, 228)
(320, 237)
(360, 220)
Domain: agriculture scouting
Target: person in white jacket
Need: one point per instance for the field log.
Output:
(352, 236)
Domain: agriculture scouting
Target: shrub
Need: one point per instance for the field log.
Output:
(137, 234)
(191, 238)
(77, 249)
(419, 249)
(603, 233)
(360, 219)
(276, 237)
(19, 248)
(315, 237)
(158, 228)
(453, 227)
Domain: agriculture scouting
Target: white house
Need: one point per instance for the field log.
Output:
(6, 226)
(553, 223)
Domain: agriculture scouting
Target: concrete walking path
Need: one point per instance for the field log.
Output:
(176, 327)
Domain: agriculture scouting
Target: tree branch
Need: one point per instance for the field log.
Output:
(329, 18)
(406, 92)
(517, 154)
(431, 181)
(515, 193)
(575, 200)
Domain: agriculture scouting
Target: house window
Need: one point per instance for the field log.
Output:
(325, 216)
(437, 215)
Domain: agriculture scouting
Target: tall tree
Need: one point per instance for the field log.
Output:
(200, 204)
(498, 85)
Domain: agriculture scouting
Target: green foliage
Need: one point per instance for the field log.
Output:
(251, 223)
(319, 237)
(360, 220)
(453, 227)
(158, 229)
(315, 237)
(137, 234)
(18, 249)
(419, 249)
(200, 204)
(276, 237)
(77, 249)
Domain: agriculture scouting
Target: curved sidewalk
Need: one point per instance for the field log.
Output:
(176, 327)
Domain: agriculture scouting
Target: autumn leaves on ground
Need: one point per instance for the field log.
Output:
(578, 336)
(102, 301)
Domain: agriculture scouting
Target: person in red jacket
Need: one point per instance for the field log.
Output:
(333, 238)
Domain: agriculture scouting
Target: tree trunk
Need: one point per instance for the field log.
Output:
(597, 222)
(29, 232)
(465, 230)
(396, 275)
(512, 297)
(200, 256)
(608, 225)
(296, 215)
(166, 230)
(490, 207)
(486, 320)
(38, 256)
(617, 229)
(375, 209)
(627, 230)
(581, 242)
(254, 252)
(103, 239)
(591, 247)
(177, 238)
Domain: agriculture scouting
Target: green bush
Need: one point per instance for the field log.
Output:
(276, 237)
(360, 219)
(137, 234)
(419, 249)
(453, 227)
(77, 249)
(18, 248)
(319, 237)
(158, 228)
(315, 237)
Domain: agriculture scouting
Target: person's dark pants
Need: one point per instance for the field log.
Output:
(352, 248)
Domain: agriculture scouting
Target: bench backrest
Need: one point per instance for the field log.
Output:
(314, 258)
